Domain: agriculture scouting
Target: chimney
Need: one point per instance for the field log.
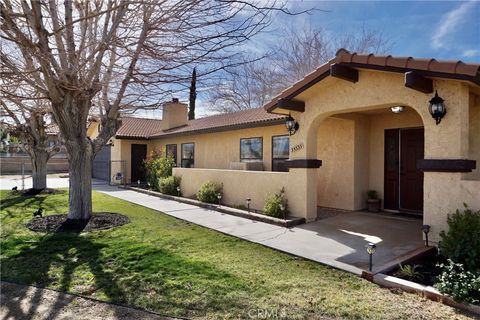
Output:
(175, 114)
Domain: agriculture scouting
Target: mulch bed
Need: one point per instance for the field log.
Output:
(60, 223)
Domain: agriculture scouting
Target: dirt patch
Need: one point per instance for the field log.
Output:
(60, 223)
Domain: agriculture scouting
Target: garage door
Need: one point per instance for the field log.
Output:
(101, 164)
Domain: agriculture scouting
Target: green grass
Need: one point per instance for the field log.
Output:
(175, 268)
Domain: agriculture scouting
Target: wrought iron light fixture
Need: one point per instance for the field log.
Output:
(426, 230)
(371, 248)
(291, 124)
(397, 109)
(437, 108)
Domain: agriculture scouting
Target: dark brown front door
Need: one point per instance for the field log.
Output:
(139, 154)
(403, 181)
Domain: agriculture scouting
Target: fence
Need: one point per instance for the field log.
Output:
(13, 165)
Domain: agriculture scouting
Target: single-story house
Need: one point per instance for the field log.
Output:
(362, 122)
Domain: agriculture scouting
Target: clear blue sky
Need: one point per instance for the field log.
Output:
(430, 29)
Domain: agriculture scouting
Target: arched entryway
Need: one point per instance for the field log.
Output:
(373, 149)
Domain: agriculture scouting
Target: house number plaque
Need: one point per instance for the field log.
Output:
(296, 147)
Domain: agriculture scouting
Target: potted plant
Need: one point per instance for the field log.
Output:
(373, 202)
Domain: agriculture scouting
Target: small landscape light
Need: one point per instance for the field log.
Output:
(248, 203)
(371, 248)
(426, 230)
(219, 197)
(138, 182)
(178, 191)
(437, 108)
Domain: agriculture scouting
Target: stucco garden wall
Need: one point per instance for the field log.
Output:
(237, 185)
(217, 150)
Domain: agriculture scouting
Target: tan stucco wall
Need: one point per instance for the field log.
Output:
(217, 150)
(335, 141)
(237, 185)
(474, 135)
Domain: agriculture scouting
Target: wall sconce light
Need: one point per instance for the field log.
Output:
(397, 109)
(437, 108)
(426, 230)
(371, 248)
(291, 124)
(248, 200)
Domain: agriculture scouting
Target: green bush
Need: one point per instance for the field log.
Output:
(461, 243)
(169, 185)
(276, 205)
(209, 192)
(461, 285)
(158, 166)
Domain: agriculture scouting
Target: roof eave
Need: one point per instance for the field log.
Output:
(271, 106)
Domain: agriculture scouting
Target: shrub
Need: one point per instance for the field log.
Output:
(409, 272)
(169, 185)
(276, 205)
(158, 166)
(461, 285)
(462, 241)
(209, 192)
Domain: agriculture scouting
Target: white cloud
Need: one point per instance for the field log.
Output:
(470, 53)
(450, 22)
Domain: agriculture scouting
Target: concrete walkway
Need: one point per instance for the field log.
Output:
(25, 302)
(337, 241)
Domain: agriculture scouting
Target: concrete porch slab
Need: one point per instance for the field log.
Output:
(338, 241)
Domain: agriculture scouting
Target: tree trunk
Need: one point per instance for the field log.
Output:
(39, 169)
(80, 158)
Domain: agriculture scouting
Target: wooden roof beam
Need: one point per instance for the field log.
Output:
(344, 72)
(416, 81)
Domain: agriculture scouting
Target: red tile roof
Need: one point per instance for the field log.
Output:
(141, 128)
(137, 128)
(427, 67)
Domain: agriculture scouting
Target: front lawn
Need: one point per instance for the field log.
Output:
(176, 268)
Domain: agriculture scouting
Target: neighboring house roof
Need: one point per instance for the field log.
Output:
(426, 67)
(141, 128)
(138, 128)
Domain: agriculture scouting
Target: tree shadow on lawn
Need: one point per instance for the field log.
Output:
(134, 274)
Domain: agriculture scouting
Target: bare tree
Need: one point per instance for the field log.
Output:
(27, 117)
(110, 54)
(300, 52)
